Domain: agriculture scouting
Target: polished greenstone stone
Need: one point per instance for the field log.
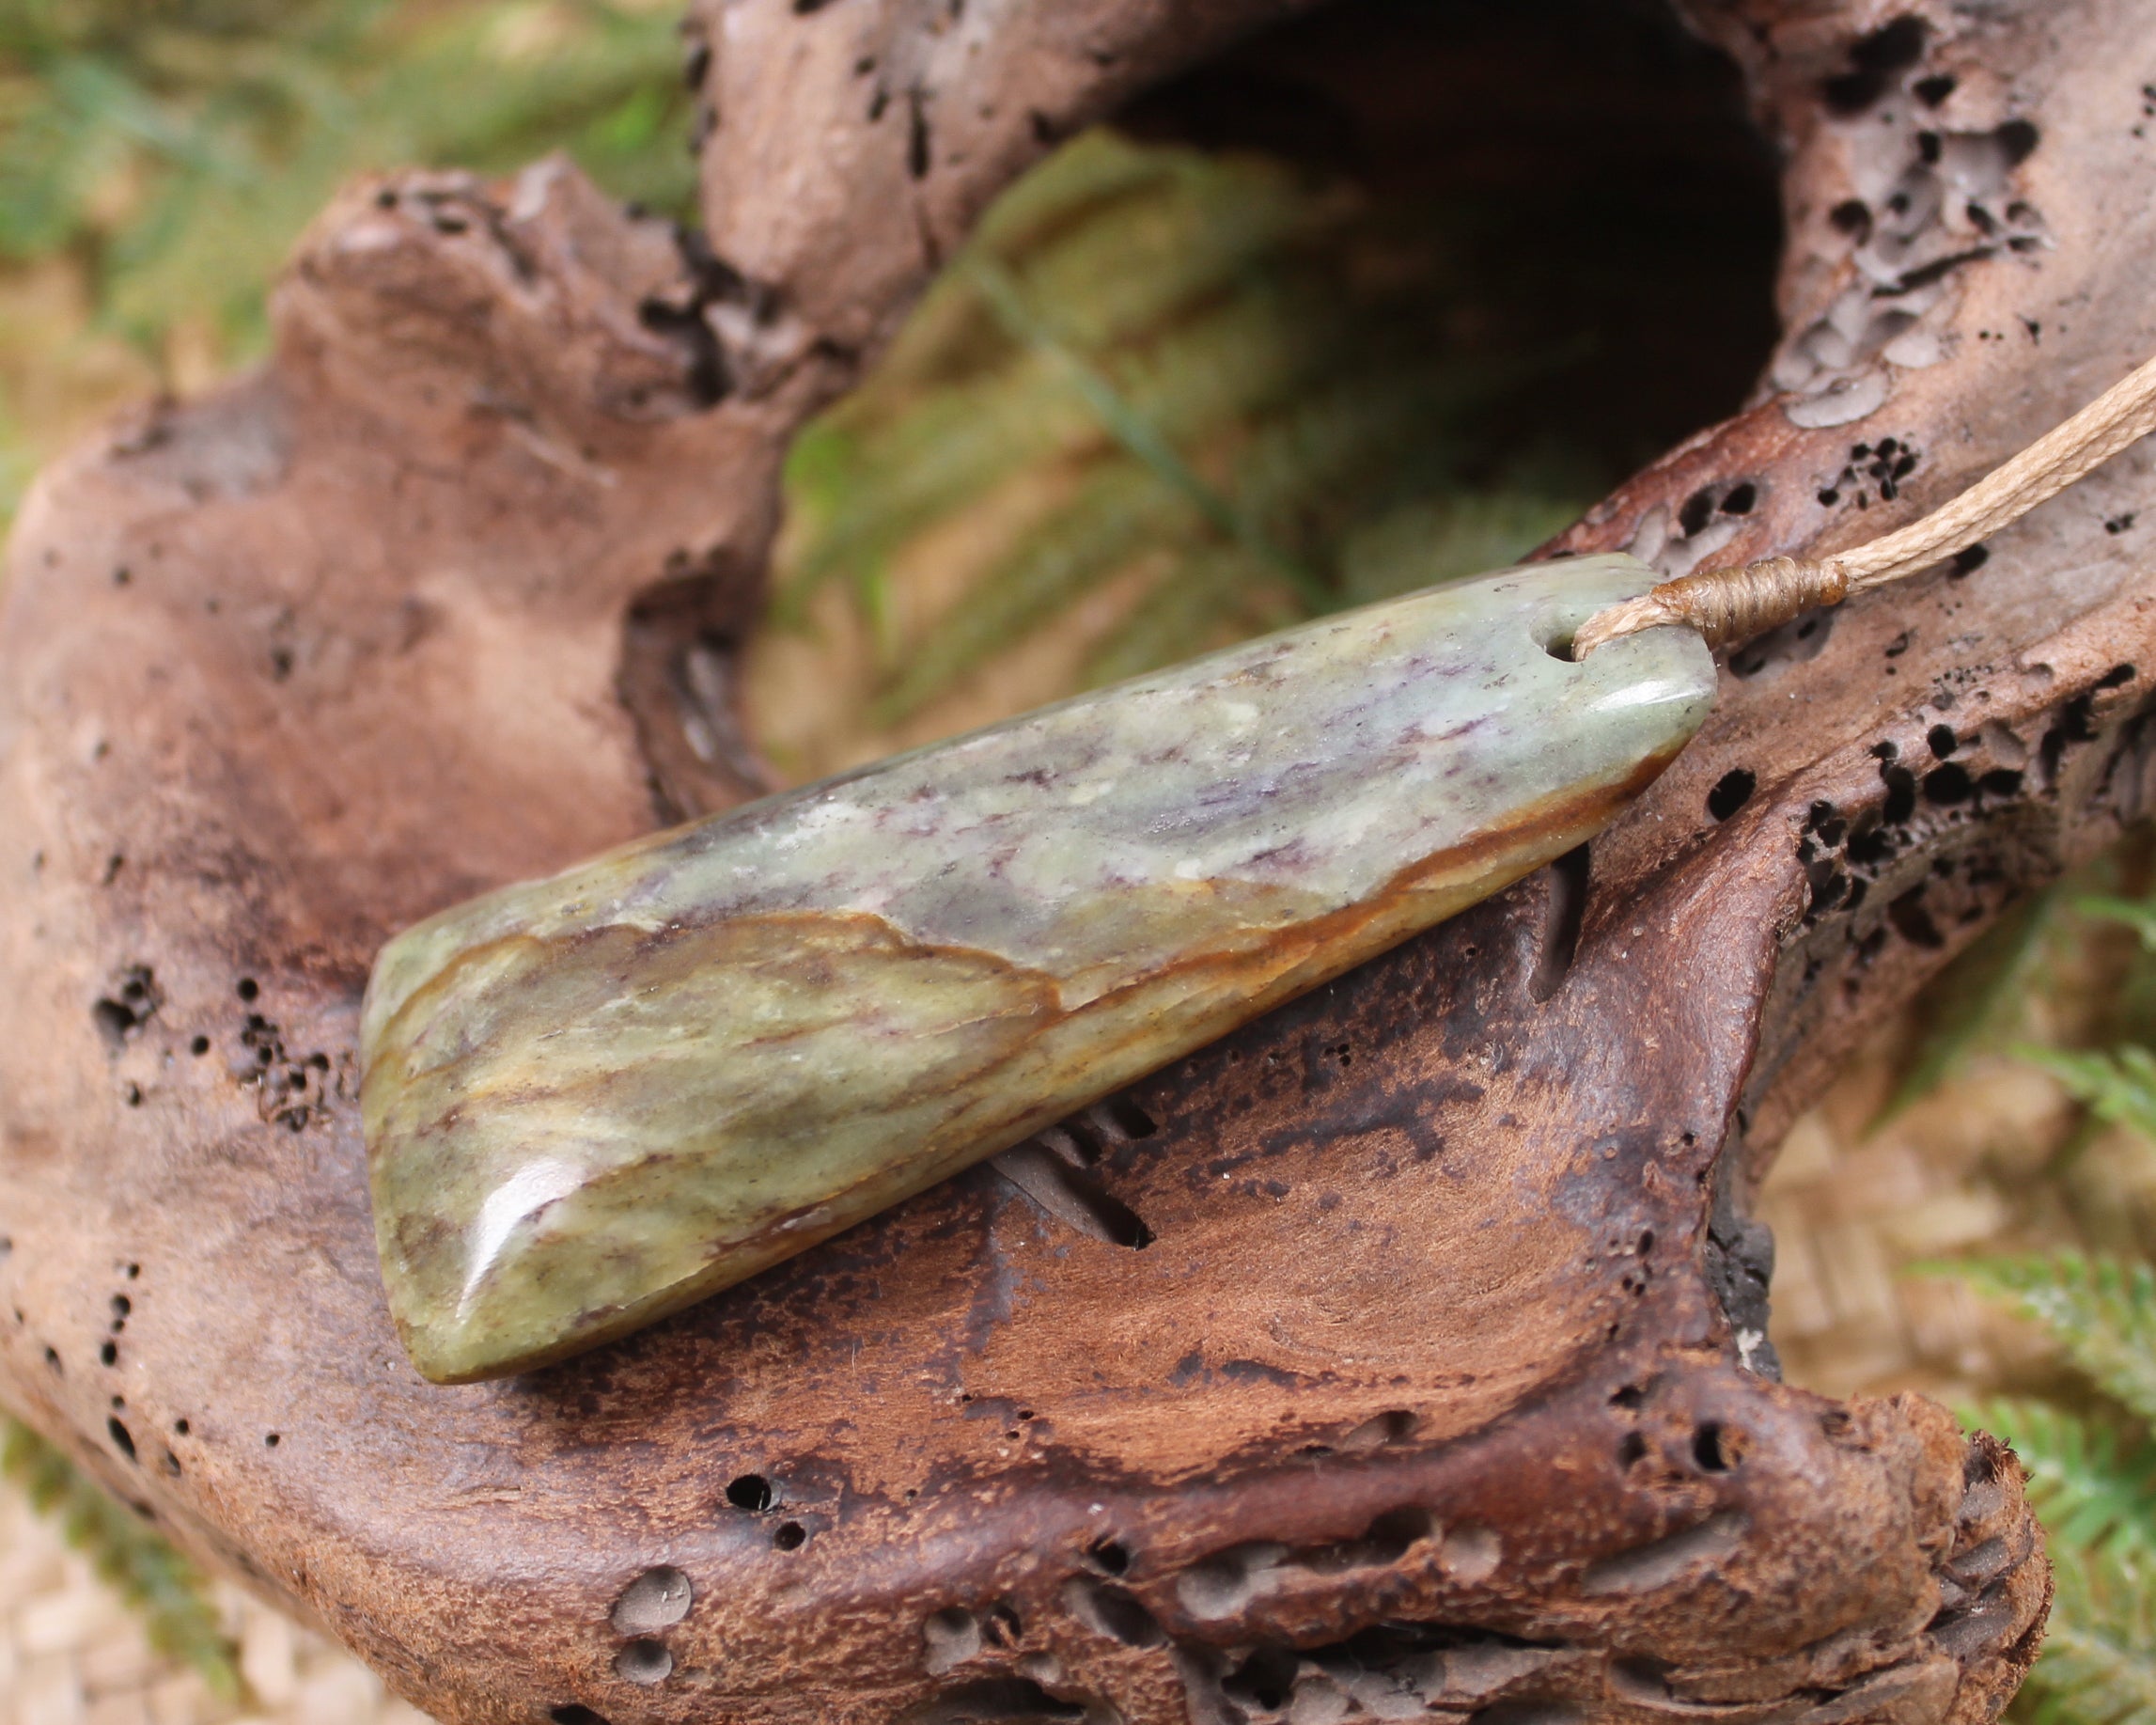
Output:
(593, 1099)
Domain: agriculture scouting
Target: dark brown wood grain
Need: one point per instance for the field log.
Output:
(1440, 1389)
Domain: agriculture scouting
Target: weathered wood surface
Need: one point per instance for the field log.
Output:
(1440, 1389)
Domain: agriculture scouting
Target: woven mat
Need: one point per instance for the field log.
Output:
(1962, 1172)
(1975, 1169)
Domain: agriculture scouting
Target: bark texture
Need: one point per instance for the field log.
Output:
(1440, 1390)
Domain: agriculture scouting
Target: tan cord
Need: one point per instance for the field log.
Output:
(1732, 604)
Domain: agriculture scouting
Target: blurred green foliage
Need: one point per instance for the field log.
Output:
(1233, 369)
(176, 147)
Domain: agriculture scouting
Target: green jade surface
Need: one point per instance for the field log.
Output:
(592, 1100)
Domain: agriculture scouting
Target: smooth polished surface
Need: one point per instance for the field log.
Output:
(593, 1099)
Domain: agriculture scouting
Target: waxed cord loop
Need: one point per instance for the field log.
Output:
(1736, 604)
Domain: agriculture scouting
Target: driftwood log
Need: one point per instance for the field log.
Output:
(1442, 1389)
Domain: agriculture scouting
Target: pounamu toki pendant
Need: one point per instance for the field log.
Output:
(592, 1100)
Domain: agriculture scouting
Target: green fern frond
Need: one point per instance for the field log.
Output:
(1047, 386)
(2092, 1484)
(2118, 1085)
(1446, 538)
(2101, 1312)
(1213, 597)
(130, 1557)
(1095, 181)
(1223, 219)
(865, 489)
(1347, 449)
(2091, 1489)
(1145, 428)
(2099, 1663)
(1261, 347)
(1121, 511)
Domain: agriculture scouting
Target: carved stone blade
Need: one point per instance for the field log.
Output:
(592, 1100)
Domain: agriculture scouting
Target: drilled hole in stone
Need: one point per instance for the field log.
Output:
(109, 1353)
(272, 1439)
(644, 1662)
(575, 1713)
(791, 1536)
(751, 1492)
(249, 988)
